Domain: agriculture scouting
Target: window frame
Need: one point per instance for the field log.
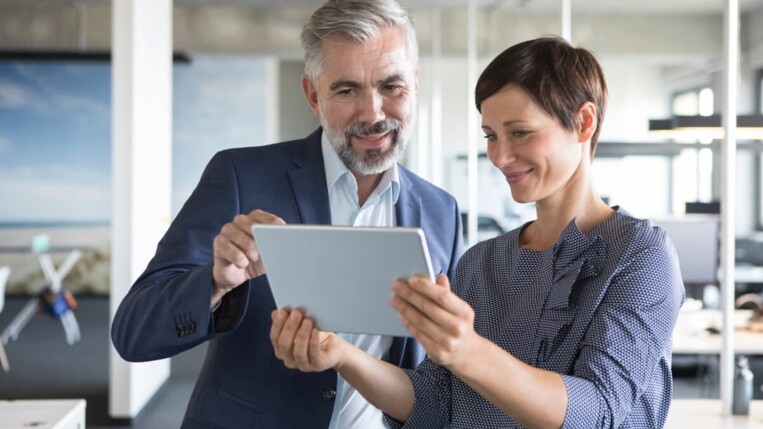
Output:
(758, 162)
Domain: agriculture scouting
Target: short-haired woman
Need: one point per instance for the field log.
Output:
(563, 322)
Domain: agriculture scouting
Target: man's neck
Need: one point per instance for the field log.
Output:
(366, 185)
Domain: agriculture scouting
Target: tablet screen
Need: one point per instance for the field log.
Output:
(342, 276)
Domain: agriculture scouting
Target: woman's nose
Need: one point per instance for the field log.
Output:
(500, 153)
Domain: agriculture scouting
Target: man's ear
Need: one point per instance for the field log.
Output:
(311, 95)
(587, 119)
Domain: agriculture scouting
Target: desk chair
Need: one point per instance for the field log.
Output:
(5, 272)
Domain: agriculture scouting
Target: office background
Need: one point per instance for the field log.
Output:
(236, 83)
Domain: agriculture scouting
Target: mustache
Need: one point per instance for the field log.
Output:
(365, 128)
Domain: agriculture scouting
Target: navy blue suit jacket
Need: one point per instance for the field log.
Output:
(166, 311)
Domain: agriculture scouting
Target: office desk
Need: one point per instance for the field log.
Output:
(691, 337)
(43, 414)
(748, 274)
(706, 413)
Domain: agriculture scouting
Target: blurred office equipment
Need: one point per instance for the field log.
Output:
(53, 299)
(702, 207)
(696, 239)
(43, 413)
(487, 226)
(749, 251)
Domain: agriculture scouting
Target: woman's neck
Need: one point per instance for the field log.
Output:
(555, 214)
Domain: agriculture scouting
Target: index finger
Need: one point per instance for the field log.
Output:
(443, 296)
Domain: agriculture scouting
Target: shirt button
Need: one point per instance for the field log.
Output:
(329, 394)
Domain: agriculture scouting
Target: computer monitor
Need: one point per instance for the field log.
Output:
(702, 207)
(696, 239)
(749, 251)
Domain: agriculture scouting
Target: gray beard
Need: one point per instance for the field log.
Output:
(372, 161)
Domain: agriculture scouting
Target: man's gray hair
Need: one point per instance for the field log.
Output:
(360, 20)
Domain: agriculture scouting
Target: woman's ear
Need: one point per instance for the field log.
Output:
(587, 121)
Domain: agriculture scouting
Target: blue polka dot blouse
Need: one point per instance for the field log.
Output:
(597, 307)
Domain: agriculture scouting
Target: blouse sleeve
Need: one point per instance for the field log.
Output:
(432, 388)
(628, 339)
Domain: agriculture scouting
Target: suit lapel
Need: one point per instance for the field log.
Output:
(408, 207)
(308, 182)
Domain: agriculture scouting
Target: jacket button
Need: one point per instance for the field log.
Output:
(329, 393)
(179, 330)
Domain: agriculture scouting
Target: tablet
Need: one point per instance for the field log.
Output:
(342, 276)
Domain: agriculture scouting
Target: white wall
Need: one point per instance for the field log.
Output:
(638, 91)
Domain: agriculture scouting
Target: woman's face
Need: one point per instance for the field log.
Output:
(538, 157)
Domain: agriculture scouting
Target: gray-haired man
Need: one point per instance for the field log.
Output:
(206, 281)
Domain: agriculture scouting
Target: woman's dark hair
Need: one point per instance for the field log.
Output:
(560, 77)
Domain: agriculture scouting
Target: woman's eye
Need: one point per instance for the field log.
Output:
(490, 137)
(519, 133)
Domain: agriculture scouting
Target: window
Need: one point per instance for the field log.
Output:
(55, 130)
(693, 174)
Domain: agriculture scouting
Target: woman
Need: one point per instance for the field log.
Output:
(564, 322)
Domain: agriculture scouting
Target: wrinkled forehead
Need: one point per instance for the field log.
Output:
(375, 58)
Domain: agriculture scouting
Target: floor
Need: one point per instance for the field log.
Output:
(44, 366)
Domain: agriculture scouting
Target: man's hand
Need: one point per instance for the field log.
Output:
(300, 345)
(237, 258)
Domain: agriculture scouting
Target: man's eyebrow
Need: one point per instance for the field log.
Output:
(390, 79)
(344, 84)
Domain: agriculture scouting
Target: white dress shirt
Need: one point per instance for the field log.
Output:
(351, 410)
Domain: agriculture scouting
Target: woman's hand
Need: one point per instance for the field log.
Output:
(300, 345)
(441, 321)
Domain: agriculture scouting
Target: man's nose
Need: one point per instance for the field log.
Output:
(371, 107)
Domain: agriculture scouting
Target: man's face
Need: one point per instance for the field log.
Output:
(365, 98)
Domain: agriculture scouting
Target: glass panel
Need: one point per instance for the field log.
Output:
(637, 183)
(219, 102)
(685, 180)
(705, 170)
(55, 142)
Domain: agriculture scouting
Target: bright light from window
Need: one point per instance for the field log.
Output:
(686, 104)
(706, 106)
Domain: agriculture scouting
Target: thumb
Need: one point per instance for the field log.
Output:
(442, 280)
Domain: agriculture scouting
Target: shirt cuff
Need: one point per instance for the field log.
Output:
(584, 404)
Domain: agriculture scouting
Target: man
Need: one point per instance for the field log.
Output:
(206, 281)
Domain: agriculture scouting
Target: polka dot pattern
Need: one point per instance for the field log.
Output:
(597, 307)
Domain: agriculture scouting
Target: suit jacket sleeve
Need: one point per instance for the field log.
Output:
(167, 310)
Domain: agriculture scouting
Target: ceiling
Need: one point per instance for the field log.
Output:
(588, 6)
(578, 6)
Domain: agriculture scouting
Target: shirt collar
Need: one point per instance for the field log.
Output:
(335, 170)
